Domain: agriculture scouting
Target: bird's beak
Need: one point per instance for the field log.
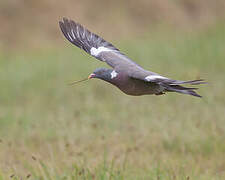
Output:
(91, 76)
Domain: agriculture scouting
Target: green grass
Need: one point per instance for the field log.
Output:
(49, 130)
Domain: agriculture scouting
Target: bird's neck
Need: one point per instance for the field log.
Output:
(109, 80)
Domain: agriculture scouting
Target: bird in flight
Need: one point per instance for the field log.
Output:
(125, 74)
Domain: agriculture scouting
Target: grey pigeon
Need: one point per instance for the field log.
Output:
(125, 74)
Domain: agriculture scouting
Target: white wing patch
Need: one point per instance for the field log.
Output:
(96, 52)
(153, 77)
(113, 74)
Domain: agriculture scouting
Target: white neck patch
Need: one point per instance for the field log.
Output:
(96, 52)
(113, 74)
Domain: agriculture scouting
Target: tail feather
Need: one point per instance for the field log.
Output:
(193, 82)
(174, 86)
(182, 90)
(182, 87)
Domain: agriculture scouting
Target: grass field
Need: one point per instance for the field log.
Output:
(49, 130)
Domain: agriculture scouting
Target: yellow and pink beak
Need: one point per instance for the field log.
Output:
(92, 75)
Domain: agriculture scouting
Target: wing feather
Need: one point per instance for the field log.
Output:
(93, 44)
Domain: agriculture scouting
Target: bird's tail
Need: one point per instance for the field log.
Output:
(175, 86)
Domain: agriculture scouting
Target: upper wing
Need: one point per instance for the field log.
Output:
(93, 44)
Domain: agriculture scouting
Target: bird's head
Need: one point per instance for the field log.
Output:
(102, 73)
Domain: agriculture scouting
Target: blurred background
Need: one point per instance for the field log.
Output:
(30, 22)
(49, 130)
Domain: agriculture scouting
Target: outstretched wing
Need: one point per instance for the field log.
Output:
(93, 44)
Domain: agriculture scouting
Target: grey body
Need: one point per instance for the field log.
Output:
(130, 77)
(131, 86)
